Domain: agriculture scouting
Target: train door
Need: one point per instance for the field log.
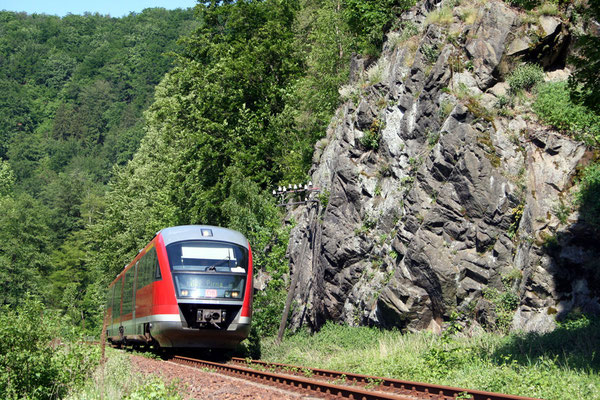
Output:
(108, 312)
(133, 292)
(126, 309)
(117, 307)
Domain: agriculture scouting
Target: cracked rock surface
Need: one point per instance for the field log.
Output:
(454, 199)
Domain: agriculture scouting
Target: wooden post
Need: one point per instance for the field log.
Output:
(296, 276)
(286, 309)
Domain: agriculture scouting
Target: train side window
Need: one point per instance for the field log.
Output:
(109, 298)
(136, 282)
(142, 273)
(150, 266)
(127, 291)
(117, 298)
(146, 268)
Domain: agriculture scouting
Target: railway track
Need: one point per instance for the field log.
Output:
(335, 384)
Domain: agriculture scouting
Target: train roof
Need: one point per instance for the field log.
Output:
(202, 232)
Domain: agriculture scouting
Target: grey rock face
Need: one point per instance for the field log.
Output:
(453, 201)
(488, 42)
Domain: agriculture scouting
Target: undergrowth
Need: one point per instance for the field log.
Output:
(41, 355)
(116, 380)
(563, 364)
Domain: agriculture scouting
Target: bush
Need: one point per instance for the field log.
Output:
(525, 77)
(505, 304)
(555, 107)
(38, 359)
(586, 60)
(368, 20)
(370, 140)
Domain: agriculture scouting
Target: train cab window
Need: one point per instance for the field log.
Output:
(155, 266)
(207, 256)
(205, 269)
(148, 269)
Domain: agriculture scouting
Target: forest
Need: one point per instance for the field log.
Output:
(114, 128)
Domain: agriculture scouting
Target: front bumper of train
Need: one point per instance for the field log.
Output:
(174, 334)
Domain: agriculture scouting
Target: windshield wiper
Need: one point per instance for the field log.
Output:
(214, 266)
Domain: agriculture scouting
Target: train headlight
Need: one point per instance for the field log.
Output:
(235, 294)
(184, 293)
(206, 232)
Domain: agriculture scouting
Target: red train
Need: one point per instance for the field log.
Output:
(191, 286)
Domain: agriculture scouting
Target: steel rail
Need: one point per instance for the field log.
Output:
(295, 382)
(419, 389)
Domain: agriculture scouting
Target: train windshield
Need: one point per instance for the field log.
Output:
(204, 269)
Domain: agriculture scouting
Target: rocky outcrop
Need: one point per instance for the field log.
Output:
(434, 199)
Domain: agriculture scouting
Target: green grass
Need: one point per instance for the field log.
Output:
(559, 365)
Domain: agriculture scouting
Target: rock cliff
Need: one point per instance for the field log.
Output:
(435, 205)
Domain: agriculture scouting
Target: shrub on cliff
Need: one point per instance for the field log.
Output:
(555, 107)
(525, 77)
(588, 195)
(585, 82)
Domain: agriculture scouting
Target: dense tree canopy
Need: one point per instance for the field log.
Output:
(73, 92)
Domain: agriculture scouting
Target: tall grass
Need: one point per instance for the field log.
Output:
(116, 380)
(559, 365)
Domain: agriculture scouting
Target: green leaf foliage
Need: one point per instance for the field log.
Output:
(555, 107)
(369, 20)
(24, 245)
(7, 179)
(72, 95)
(585, 81)
(588, 195)
(38, 358)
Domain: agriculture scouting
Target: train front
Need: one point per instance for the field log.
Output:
(211, 273)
